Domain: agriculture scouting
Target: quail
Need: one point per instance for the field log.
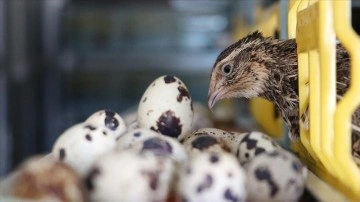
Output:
(258, 66)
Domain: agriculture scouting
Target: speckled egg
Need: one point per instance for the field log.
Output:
(253, 144)
(145, 140)
(228, 140)
(205, 143)
(130, 176)
(137, 135)
(42, 179)
(80, 145)
(166, 107)
(109, 119)
(212, 176)
(163, 146)
(275, 176)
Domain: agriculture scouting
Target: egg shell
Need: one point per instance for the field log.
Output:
(141, 140)
(275, 176)
(107, 118)
(130, 138)
(163, 146)
(253, 144)
(139, 177)
(42, 179)
(204, 143)
(80, 145)
(166, 107)
(212, 176)
(228, 140)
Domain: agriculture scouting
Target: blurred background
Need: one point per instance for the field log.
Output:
(62, 60)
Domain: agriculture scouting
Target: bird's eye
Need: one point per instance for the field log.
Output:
(226, 69)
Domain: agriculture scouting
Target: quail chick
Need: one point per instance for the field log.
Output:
(258, 66)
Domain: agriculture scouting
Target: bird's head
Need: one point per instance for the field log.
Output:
(241, 69)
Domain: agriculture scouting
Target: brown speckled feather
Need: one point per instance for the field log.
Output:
(268, 68)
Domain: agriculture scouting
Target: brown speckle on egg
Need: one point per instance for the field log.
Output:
(263, 174)
(168, 124)
(110, 120)
(214, 158)
(183, 93)
(188, 170)
(157, 145)
(296, 166)
(206, 184)
(229, 196)
(169, 79)
(259, 151)
(153, 178)
(204, 142)
(250, 143)
(88, 137)
(90, 127)
(237, 151)
(148, 112)
(89, 180)
(62, 154)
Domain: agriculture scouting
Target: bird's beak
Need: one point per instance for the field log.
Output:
(215, 94)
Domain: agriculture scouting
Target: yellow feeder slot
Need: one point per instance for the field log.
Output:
(308, 40)
(315, 36)
(303, 92)
(305, 43)
(293, 6)
(327, 50)
(351, 99)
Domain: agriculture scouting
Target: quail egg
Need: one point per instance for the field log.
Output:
(109, 119)
(253, 144)
(145, 140)
(137, 135)
(130, 176)
(166, 107)
(212, 176)
(275, 176)
(80, 145)
(227, 140)
(205, 143)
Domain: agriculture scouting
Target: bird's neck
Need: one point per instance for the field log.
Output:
(283, 72)
(282, 86)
